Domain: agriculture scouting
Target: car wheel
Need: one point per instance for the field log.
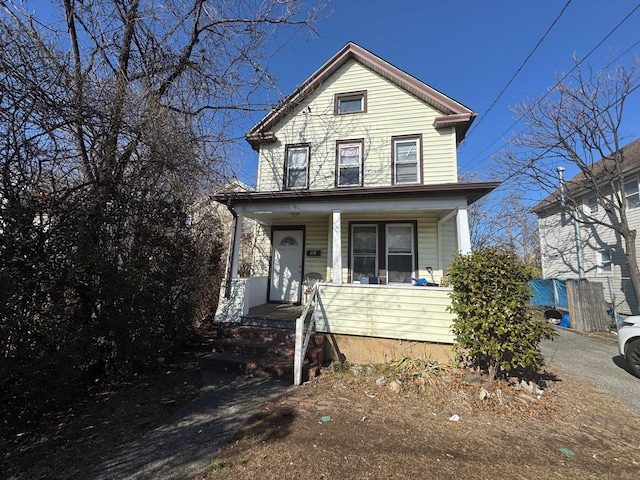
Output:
(632, 355)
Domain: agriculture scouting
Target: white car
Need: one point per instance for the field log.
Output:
(629, 342)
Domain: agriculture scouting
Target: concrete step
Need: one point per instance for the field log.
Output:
(244, 346)
(262, 334)
(264, 366)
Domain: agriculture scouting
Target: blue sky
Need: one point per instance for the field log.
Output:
(469, 50)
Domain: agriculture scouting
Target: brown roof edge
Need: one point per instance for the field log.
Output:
(473, 191)
(352, 50)
(575, 185)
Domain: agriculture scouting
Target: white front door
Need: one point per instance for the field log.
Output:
(286, 267)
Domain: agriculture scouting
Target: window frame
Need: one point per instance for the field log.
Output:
(340, 97)
(382, 249)
(346, 143)
(589, 208)
(603, 267)
(418, 162)
(289, 148)
(636, 193)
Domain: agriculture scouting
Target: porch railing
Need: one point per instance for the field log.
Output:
(303, 334)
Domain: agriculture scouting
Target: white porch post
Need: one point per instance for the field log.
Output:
(337, 248)
(464, 237)
(235, 247)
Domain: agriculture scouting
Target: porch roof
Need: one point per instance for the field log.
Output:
(471, 191)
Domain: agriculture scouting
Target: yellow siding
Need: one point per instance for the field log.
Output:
(408, 313)
(391, 111)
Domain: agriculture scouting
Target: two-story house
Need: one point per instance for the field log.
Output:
(357, 187)
(574, 240)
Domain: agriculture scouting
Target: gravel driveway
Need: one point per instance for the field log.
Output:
(594, 359)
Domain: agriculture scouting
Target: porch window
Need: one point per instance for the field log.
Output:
(349, 164)
(631, 193)
(297, 165)
(407, 156)
(353, 102)
(400, 260)
(364, 251)
(383, 249)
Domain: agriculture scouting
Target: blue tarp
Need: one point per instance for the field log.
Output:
(549, 293)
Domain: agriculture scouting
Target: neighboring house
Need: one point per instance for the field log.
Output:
(601, 249)
(357, 186)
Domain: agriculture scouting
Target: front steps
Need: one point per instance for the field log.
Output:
(266, 349)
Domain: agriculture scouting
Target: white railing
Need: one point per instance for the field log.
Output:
(302, 339)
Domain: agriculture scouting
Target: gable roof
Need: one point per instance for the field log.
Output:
(455, 113)
(605, 166)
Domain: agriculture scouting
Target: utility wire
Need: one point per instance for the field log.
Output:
(474, 161)
(475, 125)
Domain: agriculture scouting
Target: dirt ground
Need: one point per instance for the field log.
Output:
(353, 424)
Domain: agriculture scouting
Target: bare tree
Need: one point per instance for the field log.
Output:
(578, 123)
(504, 220)
(115, 115)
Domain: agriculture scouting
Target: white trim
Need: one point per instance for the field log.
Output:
(236, 245)
(355, 206)
(337, 248)
(464, 237)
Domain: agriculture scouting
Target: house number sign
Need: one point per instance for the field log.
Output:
(313, 253)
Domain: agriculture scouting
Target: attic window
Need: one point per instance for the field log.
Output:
(353, 102)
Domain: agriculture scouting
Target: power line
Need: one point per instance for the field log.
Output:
(475, 125)
(474, 162)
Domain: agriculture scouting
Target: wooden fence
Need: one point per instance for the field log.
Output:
(587, 306)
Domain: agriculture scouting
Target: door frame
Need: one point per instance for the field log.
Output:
(274, 228)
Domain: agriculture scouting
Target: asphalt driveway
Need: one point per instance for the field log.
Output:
(594, 359)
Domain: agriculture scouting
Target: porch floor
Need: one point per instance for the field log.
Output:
(276, 311)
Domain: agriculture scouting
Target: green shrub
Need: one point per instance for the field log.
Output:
(494, 327)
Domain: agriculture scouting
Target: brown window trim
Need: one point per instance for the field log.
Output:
(420, 159)
(337, 170)
(382, 245)
(286, 161)
(338, 96)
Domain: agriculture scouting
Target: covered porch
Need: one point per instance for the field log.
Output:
(362, 248)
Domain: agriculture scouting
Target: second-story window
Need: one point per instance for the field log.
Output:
(631, 193)
(297, 167)
(353, 102)
(349, 164)
(592, 205)
(407, 159)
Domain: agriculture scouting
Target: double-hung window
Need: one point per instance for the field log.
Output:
(353, 102)
(349, 164)
(631, 193)
(592, 205)
(407, 159)
(297, 167)
(603, 261)
(400, 253)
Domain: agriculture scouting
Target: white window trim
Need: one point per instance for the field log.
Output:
(601, 265)
(637, 192)
(589, 209)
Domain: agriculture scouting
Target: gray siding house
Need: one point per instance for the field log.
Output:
(599, 247)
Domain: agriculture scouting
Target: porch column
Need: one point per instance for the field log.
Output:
(464, 237)
(235, 246)
(337, 249)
